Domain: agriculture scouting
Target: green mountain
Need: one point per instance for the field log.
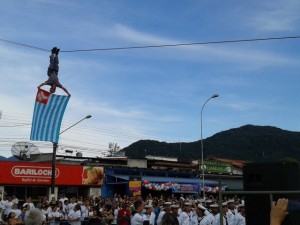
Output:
(249, 142)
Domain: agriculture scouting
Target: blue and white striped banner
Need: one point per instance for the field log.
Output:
(47, 116)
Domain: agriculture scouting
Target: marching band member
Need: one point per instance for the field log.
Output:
(165, 209)
(149, 215)
(213, 212)
(201, 218)
(231, 213)
(184, 217)
(240, 216)
(218, 216)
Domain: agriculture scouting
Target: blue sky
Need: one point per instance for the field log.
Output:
(152, 93)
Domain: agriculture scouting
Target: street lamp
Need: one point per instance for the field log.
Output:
(202, 162)
(54, 154)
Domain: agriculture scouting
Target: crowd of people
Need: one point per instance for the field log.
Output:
(125, 210)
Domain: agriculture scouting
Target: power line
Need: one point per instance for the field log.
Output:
(23, 45)
(80, 129)
(156, 46)
(16, 125)
(90, 144)
(183, 44)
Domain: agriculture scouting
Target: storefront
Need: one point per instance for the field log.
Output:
(34, 179)
(119, 180)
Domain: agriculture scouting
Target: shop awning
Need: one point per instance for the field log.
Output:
(157, 179)
(176, 184)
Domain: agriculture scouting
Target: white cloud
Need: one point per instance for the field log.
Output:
(276, 16)
(105, 110)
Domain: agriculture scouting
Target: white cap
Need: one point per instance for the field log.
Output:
(199, 206)
(241, 205)
(188, 204)
(175, 206)
(214, 206)
(167, 203)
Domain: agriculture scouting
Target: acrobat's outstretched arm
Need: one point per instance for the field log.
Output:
(53, 88)
(42, 84)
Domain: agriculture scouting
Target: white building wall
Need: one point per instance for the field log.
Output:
(95, 192)
(139, 163)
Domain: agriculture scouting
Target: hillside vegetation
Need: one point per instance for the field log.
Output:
(249, 142)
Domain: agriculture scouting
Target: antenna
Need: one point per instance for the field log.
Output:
(79, 154)
(25, 151)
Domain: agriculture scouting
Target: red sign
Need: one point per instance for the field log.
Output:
(42, 96)
(40, 174)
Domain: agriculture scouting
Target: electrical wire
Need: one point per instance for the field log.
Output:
(183, 44)
(84, 129)
(92, 146)
(23, 45)
(156, 46)
(16, 125)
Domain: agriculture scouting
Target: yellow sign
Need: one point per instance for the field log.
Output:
(135, 187)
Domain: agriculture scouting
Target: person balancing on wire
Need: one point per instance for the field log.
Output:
(53, 73)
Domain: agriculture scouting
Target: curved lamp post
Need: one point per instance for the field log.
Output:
(54, 154)
(202, 159)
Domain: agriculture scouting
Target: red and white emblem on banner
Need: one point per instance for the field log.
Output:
(42, 96)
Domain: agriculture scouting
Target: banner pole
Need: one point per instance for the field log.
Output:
(53, 168)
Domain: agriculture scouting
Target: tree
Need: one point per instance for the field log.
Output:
(113, 148)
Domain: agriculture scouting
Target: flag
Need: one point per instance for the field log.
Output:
(47, 116)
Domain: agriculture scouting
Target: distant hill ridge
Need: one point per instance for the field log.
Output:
(249, 142)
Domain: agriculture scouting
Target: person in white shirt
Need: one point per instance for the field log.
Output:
(166, 209)
(75, 216)
(54, 215)
(137, 218)
(63, 198)
(213, 212)
(8, 205)
(46, 209)
(149, 215)
(218, 217)
(240, 216)
(115, 214)
(15, 200)
(200, 217)
(16, 210)
(28, 202)
(231, 213)
(72, 204)
(3, 202)
(85, 210)
(184, 217)
(65, 209)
